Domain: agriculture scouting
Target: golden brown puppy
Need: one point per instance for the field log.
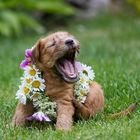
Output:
(55, 57)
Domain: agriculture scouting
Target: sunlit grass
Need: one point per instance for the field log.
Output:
(111, 45)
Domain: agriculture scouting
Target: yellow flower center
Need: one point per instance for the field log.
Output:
(82, 80)
(35, 95)
(85, 72)
(32, 72)
(90, 82)
(26, 90)
(28, 80)
(36, 84)
(82, 93)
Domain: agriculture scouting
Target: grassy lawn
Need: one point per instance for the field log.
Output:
(111, 45)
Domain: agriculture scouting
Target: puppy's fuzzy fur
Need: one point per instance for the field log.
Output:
(45, 54)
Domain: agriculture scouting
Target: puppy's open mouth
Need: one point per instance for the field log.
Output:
(66, 67)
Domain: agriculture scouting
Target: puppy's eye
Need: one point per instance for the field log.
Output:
(52, 43)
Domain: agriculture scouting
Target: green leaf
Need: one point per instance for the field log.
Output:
(5, 29)
(30, 23)
(11, 18)
(49, 6)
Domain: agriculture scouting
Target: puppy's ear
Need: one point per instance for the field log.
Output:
(36, 54)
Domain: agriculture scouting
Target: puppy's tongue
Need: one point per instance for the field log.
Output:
(68, 68)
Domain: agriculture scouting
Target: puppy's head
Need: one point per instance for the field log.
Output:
(57, 52)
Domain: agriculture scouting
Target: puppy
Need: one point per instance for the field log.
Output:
(54, 55)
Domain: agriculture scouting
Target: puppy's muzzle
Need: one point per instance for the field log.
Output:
(69, 42)
(65, 65)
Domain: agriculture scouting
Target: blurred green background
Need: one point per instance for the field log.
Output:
(109, 35)
(39, 16)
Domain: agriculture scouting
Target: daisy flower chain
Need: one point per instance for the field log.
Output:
(81, 87)
(33, 86)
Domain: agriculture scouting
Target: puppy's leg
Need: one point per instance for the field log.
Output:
(93, 104)
(22, 111)
(65, 114)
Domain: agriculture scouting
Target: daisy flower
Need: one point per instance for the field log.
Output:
(38, 84)
(87, 70)
(81, 87)
(26, 80)
(25, 89)
(35, 96)
(31, 71)
(21, 97)
(83, 78)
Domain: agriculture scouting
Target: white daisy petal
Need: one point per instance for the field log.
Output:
(21, 97)
(81, 88)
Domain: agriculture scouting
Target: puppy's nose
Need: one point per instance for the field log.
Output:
(69, 42)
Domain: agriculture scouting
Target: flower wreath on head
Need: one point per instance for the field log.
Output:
(32, 88)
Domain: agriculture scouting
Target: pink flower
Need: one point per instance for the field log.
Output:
(39, 116)
(78, 66)
(24, 63)
(27, 60)
(28, 53)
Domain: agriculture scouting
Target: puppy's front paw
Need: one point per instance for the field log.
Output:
(63, 124)
(18, 121)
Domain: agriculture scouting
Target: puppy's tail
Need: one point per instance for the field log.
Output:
(125, 112)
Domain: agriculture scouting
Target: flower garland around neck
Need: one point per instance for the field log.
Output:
(33, 86)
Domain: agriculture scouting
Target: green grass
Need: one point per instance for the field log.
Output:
(111, 45)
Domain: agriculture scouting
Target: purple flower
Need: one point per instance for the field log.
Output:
(38, 116)
(24, 63)
(27, 60)
(28, 53)
(78, 66)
